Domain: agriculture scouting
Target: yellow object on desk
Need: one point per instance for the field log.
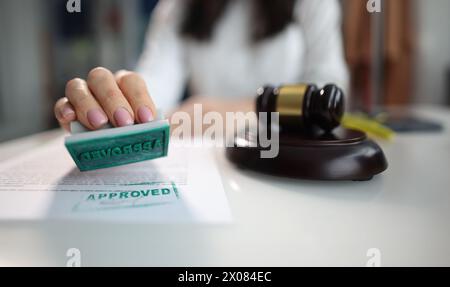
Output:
(370, 126)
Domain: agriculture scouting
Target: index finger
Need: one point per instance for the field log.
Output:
(135, 91)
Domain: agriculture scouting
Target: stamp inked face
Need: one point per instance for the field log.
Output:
(117, 151)
(119, 146)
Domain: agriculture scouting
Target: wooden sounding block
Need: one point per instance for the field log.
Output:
(342, 155)
(311, 143)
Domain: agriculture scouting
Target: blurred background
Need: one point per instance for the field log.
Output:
(398, 57)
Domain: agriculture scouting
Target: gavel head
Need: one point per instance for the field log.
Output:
(303, 106)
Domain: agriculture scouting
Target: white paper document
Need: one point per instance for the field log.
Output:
(44, 183)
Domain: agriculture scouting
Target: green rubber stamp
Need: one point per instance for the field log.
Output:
(110, 146)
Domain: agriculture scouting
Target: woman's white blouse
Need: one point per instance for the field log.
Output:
(230, 65)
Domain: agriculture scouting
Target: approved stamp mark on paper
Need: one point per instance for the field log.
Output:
(132, 196)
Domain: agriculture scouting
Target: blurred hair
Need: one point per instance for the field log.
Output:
(269, 17)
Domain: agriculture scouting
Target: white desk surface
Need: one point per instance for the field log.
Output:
(405, 213)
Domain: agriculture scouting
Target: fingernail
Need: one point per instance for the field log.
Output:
(67, 112)
(145, 115)
(97, 118)
(123, 117)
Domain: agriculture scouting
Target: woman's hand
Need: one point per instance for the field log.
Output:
(221, 106)
(211, 104)
(121, 99)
